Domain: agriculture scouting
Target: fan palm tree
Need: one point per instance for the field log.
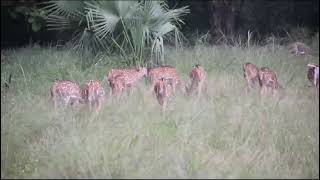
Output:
(127, 26)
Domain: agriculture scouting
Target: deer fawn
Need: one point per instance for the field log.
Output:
(198, 77)
(268, 81)
(94, 94)
(299, 49)
(65, 92)
(163, 91)
(313, 76)
(251, 75)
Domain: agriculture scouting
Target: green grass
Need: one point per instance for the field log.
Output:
(226, 135)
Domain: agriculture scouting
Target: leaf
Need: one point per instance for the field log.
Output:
(36, 26)
(64, 8)
(30, 19)
(42, 13)
(104, 16)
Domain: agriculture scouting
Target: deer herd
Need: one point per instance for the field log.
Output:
(164, 80)
(266, 78)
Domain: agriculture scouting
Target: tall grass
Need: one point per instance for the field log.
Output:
(226, 135)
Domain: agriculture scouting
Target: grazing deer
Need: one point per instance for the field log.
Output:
(65, 92)
(313, 76)
(268, 81)
(130, 76)
(251, 75)
(163, 91)
(299, 49)
(166, 72)
(198, 77)
(93, 94)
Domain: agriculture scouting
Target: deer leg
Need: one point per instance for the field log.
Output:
(316, 89)
(200, 89)
(98, 106)
(130, 90)
(113, 88)
(111, 92)
(152, 87)
(174, 88)
(120, 92)
(247, 85)
(205, 88)
(269, 91)
(274, 91)
(188, 90)
(262, 90)
(55, 102)
(90, 105)
(164, 105)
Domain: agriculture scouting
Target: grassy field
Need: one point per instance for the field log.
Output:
(226, 135)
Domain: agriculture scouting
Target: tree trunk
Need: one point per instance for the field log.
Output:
(222, 18)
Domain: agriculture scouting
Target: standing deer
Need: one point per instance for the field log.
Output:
(163, 91)
(198, 77)
(93, 94)
(313, 76)
(268, 81)
(130, 76)
(66, 93)
(117, 85)
(251, 75)
(166, 72)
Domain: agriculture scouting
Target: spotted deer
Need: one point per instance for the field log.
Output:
(268, 81)
(163, 90)
(117, 85)
(299, 49)
(198, 77)
(130, 76)
(166, 72)
(251, 75)
(313, 76)
(93, 93)
(66, 93)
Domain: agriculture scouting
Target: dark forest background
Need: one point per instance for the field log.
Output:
(21, 24)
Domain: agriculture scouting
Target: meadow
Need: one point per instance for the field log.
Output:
(227, 134)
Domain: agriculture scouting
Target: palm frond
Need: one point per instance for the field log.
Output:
(105, 15)
(61, 15)
(85, 40)
(102, 22)
(64, 8)
(157, 51)
(137, 25)
(58, 22)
